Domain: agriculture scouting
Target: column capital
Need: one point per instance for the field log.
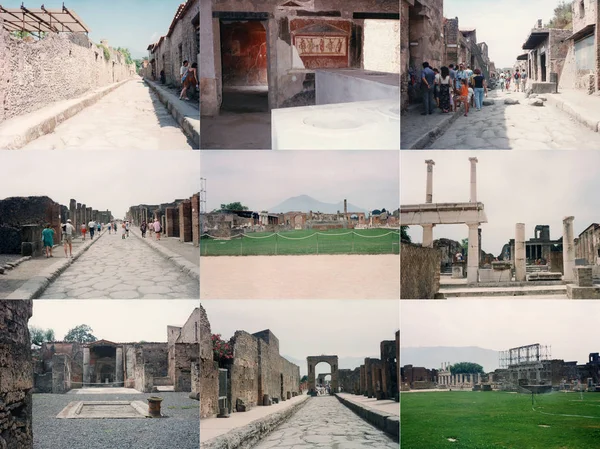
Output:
(473, 160)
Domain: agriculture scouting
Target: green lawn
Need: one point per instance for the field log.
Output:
(338, 241)
(499, 420)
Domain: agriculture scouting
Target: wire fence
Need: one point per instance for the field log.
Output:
(371, 241)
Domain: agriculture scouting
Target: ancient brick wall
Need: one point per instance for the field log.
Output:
(57, 67)
(196, 219)
(61, 373)
(209, 372)
(190, 332)
(181, 357)
(558, 51)
(16, 375)
(583, 17)
(556, 261)
(404, 54)
(349, 380)
(419, 272)
(245, 370)
(185, 221)
(388, 369)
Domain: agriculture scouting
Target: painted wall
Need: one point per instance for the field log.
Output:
(244, 53)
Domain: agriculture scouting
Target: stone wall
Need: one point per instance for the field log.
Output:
(349, 380)
(57, 67)
(244, 54)
(378, 54)
(419, 272)
(181, 358)
(245, 370)
(61, 373)
(16, 375)
(209, 371)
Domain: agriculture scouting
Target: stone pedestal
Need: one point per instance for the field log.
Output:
(86, 367)
(119, 367)
(427, 236)
(520, 268)
(568, 248)
(458, 270)
(473, 254)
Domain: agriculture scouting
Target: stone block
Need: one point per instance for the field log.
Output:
(240, 405)
(583, 276)
(458, 272)
(543, 88)
(492, 275)
(510, 101)
(535, 102)
(576, 292)
(542, 97)
(489, 102)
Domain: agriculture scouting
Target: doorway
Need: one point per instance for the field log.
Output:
(543, 66)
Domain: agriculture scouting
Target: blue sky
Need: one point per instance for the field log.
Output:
(133, 24)
(503, 25)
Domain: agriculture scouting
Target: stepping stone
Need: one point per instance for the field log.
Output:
(536, 102)
(510, 101)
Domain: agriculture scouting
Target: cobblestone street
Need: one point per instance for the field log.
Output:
(325, 423)
(519, 127)
(114, 268)
(129, 118)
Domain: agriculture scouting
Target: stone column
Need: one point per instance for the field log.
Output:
(79, 219)
(86, 367)
(427, 235)
(185, 221)
(429, 195)
(196, 218)
(119, 368)
(73, 212)
(473, 161)
(520, 270)
(473, 255)
(568, 248)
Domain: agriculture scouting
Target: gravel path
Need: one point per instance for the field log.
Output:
(326, 423)
(180, 429)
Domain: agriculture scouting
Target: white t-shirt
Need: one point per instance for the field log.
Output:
(438, 78)
(91, 225)
(183, 70)
(69, 228)
(445, 80)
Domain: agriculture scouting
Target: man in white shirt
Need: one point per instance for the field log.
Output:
(183, 71)
(68, 235)
(92, 228)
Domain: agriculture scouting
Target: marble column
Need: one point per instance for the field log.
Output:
(473, 255)
(473, 161)
(568, 249)
(520, 270)
(86, 367)
(429, 195)
(427, 235)
(119, 368)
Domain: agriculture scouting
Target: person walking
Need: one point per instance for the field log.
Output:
(452, 72)
(48, 240)
(480, 86)
(68, 237)
(436, 87)
(508, 78)
(83, 230)
(427, 87)
(191, 79)
(517, 78)
(157, 228)
(123, 230)
(183, 73)
(92, 228)
(463, 96)
(99, 228)
(127, 228)
(445, 87)
(143, 228)
(523, 81)
(115, 226)
(109, 225)
(502, 80)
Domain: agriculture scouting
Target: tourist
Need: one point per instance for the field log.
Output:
(502, 80)
(109, 225)
(463, 96)
(115, 227)
(99, 228)
(83, 230)
(157, 228)
(183, 73)
(523, 80)
(480, 85)
(445, 86)
(517, 78)
(469, 72)
(92, 228)
(127, 228)
(427, 83)
(143, 228)
(191, 80)
(460, 75)
(123, 230)
(68, 237)
(436, 87)
(452, 71)
(48, 240)
(508, 78)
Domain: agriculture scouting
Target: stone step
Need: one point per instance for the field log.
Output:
(499, 291)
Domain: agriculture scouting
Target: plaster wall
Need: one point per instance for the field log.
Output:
(345, 86)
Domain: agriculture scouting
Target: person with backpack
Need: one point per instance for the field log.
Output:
(157, 228)
(517, 78)
(143, 228)
(127, 228)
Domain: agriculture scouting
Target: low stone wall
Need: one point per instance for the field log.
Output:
(387, 422)
(419, 272)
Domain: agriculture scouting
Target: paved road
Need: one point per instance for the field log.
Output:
(325, 423)
(129, 118)
(519, 127)
(122, 269)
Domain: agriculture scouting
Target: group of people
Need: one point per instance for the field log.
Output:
(449, 87)
(189, 77)
(153, 227)
(518, 80)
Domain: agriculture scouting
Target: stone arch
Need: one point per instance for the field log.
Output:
(313, 361)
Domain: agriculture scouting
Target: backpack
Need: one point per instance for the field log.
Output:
(517, 76)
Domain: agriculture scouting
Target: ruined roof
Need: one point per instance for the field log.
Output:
(593, 225)
(181, 10)
(36, 20)
(536, 37)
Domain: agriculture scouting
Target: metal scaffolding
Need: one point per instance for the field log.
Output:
(524, 354)
(42, 20)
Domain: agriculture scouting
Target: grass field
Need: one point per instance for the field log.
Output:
(338, 241)
(499, 420)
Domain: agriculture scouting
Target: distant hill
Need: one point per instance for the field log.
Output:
(344, 363)
(432, 357)
(305, 203)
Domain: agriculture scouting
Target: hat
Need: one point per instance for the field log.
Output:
(69, 220)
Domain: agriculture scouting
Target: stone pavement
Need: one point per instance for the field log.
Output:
(418, 131)
(236, 131)
(582, 107)
(519, 127)
(129, 118)
(384, 405)
(325, 423)
(186, 250)
(114, 268)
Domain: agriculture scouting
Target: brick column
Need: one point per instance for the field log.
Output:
(185, 221)
(196, 219)
(172, 222)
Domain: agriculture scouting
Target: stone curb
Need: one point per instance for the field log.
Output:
(183, 264)
(177, 109)
(249, 435)
(431, 135)
(559, 103)
(35, 286)
(10, 265)
(48, 124)
(387, 422)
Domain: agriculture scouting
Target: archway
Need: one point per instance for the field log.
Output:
(313, 361)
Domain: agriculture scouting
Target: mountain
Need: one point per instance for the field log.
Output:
(432, 357)
(305, 203)
(343, 362)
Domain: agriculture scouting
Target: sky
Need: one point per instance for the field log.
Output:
(503, 25)
(263, 179)
(528, 187)
(304, 328)
(119, 321)
(569, 328)
(132, 24)
(111, 180)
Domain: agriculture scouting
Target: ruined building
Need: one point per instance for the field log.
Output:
(16, 375)
(379, 378)
(255, 375)
(278, 45)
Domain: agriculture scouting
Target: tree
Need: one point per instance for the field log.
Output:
(466, 368)
(222, 350)
(465, 246)
(233, 206)
(81, 334)
(126, 54)
(404, 237)
(563, 17)
(38, 335)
